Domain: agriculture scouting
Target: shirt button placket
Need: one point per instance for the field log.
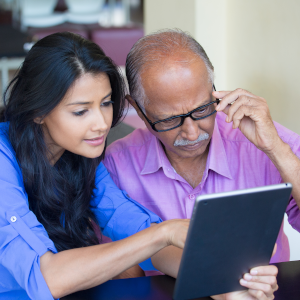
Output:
(13, 219)
(190, 205)
(192, 197)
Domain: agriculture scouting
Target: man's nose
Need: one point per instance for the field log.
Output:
(189, 129)
(99, 123)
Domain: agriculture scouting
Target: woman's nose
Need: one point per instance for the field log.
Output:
(99, 123)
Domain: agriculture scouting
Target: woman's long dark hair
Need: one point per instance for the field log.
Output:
(60, 195)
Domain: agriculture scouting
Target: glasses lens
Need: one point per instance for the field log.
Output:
(168, 124)
(202, 112)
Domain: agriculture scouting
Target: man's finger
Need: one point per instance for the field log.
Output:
(230, 97)
(242, 101)
(271, 280)
(264, 270)
(221, 94)
(243, 111)
(226, 109)
(263, 287)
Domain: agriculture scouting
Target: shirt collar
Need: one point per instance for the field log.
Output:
(216, 161)
(155, 152)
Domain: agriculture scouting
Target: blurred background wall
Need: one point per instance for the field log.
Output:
(253, 44)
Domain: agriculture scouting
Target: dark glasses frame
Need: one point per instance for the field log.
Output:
(183, 117)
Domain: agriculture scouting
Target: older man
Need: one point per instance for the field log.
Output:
(187, 148)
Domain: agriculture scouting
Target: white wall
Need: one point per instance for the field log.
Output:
(160, 14)
(263, 54)
(211, 33)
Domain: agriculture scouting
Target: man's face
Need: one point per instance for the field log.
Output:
(175, 88)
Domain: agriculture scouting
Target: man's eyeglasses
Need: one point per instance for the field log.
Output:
(167, 124)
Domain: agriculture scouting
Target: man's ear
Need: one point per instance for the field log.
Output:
(132, 102)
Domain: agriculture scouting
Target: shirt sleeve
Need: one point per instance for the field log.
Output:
(23, 239)
(118, 215)
(292, 208)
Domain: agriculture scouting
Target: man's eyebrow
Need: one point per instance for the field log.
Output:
(84, 103)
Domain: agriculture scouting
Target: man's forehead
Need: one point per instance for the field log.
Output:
(171, 86)
(175, 68)
(168, 63)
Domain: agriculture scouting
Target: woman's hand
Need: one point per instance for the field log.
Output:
(174, 234)
(175, 231)
(261, 283)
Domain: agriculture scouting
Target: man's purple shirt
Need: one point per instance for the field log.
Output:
(139, 165)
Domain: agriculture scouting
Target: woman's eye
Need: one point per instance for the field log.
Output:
(79, 113)
(107, 103)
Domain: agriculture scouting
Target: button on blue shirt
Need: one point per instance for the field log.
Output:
(23, 239)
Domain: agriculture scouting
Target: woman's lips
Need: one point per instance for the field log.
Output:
(96, 141)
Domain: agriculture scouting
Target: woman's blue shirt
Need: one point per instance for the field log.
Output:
(23, 239)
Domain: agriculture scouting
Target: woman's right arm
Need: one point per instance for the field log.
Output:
(127, 223)
(30, 261)
(77, 269)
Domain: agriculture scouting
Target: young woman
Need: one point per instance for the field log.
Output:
(55, 192)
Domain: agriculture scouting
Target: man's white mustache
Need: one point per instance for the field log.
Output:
(201, 137)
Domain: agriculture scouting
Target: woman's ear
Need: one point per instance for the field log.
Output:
(39, 120)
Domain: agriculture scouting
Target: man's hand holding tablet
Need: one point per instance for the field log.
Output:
(261, 284)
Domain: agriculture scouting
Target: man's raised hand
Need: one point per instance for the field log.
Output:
(251, 115)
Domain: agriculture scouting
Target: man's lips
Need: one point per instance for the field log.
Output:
(192, 147)
(95, 141)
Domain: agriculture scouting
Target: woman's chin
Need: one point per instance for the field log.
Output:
(92, 155)
(89, 153)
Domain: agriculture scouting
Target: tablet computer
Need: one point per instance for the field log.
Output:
(229, 234)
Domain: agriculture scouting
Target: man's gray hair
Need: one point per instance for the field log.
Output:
(156, 47)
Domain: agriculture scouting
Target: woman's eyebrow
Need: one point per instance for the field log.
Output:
(84, 103)
(79, 103)
(108, 95)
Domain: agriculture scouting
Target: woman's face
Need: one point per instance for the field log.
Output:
(81, 122)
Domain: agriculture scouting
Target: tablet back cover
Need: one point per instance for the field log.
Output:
(227, 237)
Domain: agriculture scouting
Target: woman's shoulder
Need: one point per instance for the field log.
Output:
(6, 148)
(9, 166)
(4, 137)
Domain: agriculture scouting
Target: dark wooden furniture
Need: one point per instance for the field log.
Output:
(161, 287)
